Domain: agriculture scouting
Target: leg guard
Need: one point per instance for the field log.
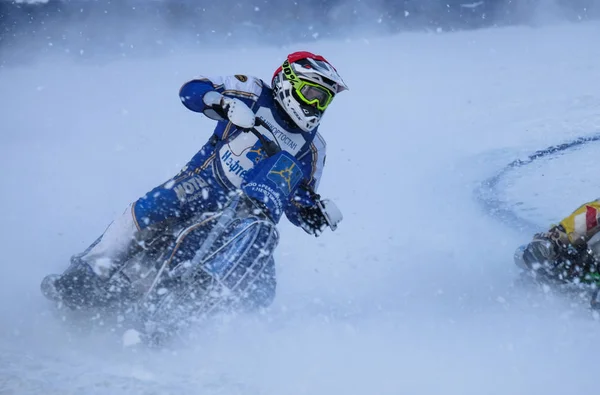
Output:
(175, 200)
(114, 246)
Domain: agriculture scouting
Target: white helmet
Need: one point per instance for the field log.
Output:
(304, 86)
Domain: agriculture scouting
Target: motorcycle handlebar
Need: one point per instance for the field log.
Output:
(270, 147)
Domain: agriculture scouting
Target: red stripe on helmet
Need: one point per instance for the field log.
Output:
(293, 57)
(296, 56)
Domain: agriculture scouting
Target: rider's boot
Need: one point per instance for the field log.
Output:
(86, 282)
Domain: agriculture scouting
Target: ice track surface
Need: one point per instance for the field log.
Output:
(413, 294)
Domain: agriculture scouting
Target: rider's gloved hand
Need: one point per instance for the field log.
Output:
(232, 109)
(313, 220)
(322, 214)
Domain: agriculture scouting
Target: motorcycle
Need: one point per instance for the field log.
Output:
(573, 270)
(209, 263)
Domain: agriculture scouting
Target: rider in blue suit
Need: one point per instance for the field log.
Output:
(302, 89)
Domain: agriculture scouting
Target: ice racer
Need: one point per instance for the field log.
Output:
(302, 89)
(569, 252)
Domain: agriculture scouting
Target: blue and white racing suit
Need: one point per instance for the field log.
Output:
(218, 168)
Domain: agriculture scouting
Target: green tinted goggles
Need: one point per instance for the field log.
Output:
(306, 91)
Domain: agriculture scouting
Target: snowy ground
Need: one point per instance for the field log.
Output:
(413, 294)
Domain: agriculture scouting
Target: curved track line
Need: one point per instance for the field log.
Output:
(487, 193)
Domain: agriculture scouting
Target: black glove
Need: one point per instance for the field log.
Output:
(312, 220)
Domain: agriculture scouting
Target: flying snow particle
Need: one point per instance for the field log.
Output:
(131, 337)
(102, 265)
(546, 288)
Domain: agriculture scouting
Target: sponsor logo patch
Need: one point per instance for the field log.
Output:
(256, 153)
(285, 174)
(188, 187)
(279, 135)
(241, 77)
(232, 164)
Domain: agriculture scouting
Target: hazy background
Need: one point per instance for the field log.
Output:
(414, 293)
(84, 29)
